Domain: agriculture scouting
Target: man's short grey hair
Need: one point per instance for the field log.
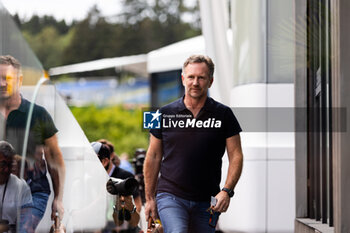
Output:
(11, 61)
(200, 59)
(7, 150)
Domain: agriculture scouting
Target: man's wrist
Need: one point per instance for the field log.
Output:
(229, 192)
(58, 198)
(150, 197)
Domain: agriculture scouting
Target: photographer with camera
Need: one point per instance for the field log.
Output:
(113, 170)
(122, 184)
(15, 195)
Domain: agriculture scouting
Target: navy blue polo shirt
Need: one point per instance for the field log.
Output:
(193, 148)
(42, 127)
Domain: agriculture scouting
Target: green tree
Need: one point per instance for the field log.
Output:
(94, 38)
(48, 45)
(17, 20)
(158, 24)
(36, 24)
(142, 27)
(165, 11)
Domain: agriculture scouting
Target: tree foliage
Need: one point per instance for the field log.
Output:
(121, 126)
(141, 27)
(94, 38)
(49, 45)
(47, 37)
(167, 12)
(36, 24)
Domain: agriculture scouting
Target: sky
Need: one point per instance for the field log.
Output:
(61, 9)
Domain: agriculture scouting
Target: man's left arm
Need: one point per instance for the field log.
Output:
(56, 167)
(235, 157)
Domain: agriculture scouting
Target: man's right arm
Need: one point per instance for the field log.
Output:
(151, 171)
(57, 169)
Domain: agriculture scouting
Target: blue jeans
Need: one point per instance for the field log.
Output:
(178, 215)
(33, 213)
(26, 224)
(39, 203)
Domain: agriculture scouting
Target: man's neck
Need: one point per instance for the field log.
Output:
(110, 169)
(10, 104)
(194, 104)
(110, 165)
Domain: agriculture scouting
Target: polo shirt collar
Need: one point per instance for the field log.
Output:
(180, 105)
(208, 105)
(24, 106)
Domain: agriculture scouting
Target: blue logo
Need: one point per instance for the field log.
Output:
(151, 120)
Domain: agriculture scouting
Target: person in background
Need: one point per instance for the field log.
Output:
(16, 166)
(15, 192)
(112, 169)
(125, 164)
(103, 152)
(43, 153)
(114, 160)
(138, 161)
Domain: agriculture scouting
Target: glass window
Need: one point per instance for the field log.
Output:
(263, 41)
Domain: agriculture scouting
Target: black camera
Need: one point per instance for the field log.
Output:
(125, 187)
(138, 160)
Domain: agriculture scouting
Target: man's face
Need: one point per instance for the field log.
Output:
(105, 163)
(10, 82)
(5, 166)
(196, 80)
(115, 159)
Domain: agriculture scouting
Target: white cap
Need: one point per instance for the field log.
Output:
(96, 146)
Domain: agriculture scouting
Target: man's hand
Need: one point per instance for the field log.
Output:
(223, 201)
(57, 170)
(57, 206)
(151, 209)
(235, 158)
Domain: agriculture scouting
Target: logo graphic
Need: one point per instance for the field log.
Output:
(151, 120)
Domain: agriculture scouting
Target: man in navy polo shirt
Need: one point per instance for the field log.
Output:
(187, 151)
(42, 147)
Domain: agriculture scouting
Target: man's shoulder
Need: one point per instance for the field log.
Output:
(37, 109)
(217, 105)
(41, 119)
(121, 173)
(21, 188)
(172, 106)
(17, 182)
